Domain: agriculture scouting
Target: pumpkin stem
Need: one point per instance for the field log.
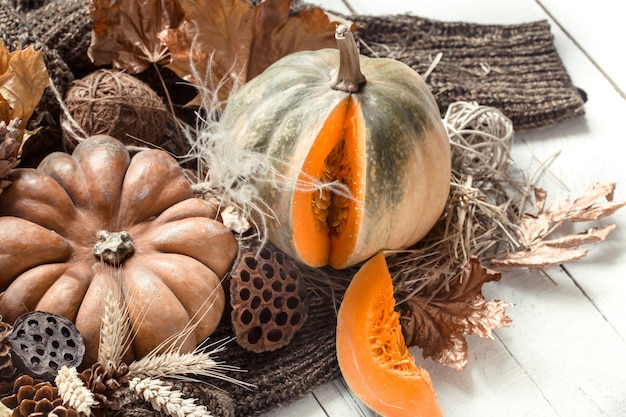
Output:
(349, 77)
(113, 247)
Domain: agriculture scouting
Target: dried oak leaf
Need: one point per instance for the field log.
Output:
(535, 228)
(23, 79)
(228, 41)
(439, 324)
(125, 32)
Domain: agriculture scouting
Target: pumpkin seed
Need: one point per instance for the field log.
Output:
(331, 208)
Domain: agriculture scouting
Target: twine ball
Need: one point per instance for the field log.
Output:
(481, 139)
(117, 104)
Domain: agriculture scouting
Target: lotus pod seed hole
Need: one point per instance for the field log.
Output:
(245, 276)
(49, 331)
(65, 332)
(295, 319)
(266, 254)
(280, 258)
(246, 317)
(281, 318)
(244, 294)
(268, 271)
(113, 247)
(255, 335)
(258, 283)
(37, 338)
(265, 316)
(274, 335)
(53, 365)
(51, 320)
(71, 343)
(251, 262)
(292, 303)
(33, 323)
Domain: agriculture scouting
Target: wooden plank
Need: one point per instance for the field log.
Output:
(573, 355)
(588, 150)
(308, 406)
(478, 11)
(490, 385)
(337, 400)
(598, 28)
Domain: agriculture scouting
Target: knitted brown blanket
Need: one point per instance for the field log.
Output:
(515, 68)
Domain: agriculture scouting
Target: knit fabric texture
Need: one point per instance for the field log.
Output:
(514, 68)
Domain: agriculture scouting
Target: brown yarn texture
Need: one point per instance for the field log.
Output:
(514, 68)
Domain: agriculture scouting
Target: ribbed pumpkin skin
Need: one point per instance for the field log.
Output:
(406, 163)
(49, 219)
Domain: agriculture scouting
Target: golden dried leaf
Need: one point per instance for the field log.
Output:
(439, 324)
(535, 229)
(240, 41)
(125, 32)
(23, 79)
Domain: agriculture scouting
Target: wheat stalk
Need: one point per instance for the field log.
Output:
(182, 365)
(115, 334)
(164, 398)
(73, 391)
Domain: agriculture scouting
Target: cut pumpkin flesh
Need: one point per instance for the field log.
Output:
(327, 212)
(372, 354)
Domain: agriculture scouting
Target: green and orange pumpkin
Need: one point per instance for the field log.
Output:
(361, 157)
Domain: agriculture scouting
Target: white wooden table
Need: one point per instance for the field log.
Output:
(565, 352)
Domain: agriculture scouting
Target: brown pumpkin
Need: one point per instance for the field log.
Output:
(82, 224)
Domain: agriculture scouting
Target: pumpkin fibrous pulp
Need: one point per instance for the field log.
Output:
(361, 156)
(79, 226)
(372, 354)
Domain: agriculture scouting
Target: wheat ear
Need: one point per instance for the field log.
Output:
(164, 398)
(73, 391)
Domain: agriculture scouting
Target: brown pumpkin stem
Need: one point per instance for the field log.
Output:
(113, 247)
(349, 77)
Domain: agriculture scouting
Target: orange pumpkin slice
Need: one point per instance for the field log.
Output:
(372, 354)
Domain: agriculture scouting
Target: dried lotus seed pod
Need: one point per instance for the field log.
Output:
(268, 297)
(41, 343)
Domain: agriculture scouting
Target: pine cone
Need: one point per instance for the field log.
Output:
(36, 399)
(108, 383)
(7, 370)
(9, 148)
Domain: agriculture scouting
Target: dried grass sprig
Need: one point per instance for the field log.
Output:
(73, 391)
(164, 398)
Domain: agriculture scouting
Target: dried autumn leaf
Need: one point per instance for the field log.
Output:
(535, 229)
(125, 32)
(239, 41)
(23, 79)
(438, 324)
